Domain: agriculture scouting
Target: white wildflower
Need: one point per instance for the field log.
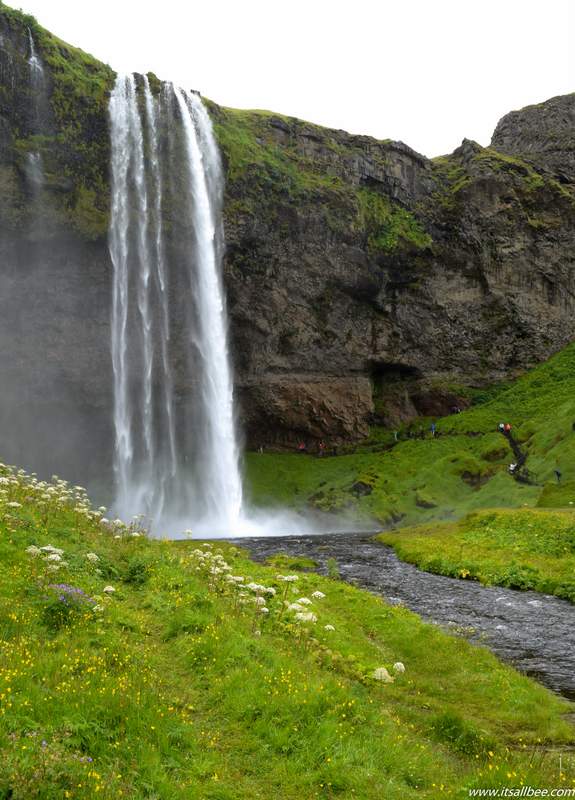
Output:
(14, 504)
(263, 610)
(318, 595)
(381, 674)
(92, 558)
(255, 587)
(399, 667)
(306, 616)
(33, 551)
(53, 557)
(328, 628)
(108, 590)
(304, 601)
(295, 607)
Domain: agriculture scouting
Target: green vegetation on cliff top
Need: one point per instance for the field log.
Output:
(136, 668)
(462, 469)
(295, 162)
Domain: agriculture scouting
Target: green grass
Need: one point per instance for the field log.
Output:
(173, 687)
(521, 549)
(461, 470)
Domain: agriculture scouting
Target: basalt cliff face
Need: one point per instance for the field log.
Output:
(364, 281)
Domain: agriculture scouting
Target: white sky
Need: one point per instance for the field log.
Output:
(428, 72)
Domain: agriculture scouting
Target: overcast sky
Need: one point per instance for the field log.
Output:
(428, 72)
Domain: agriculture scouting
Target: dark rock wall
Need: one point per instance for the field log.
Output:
(364, 281)
(543, 135)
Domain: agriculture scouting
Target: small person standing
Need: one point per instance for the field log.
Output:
(557, 472)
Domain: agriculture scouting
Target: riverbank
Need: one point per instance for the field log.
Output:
(520, 549)
(132, 667)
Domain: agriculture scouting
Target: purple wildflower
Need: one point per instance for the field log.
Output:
(71, 594)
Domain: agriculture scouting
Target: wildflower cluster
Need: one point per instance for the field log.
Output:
(66, 604)
(266, 601)
(48, 497)
(51, 557)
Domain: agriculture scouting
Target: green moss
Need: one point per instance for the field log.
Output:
(388, 225)
(87, 218)
(249, 147)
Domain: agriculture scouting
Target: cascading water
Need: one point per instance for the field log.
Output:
(35, 64)
(34, 166)
(176, 463)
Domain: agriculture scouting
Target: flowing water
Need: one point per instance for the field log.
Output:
(534, 632)
(175, 463)
(35, 64)
(34, 166)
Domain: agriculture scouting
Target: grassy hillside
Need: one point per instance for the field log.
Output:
(462, 469)
(147, 669)
(522, 549)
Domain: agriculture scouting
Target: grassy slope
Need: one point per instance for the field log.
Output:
(463, 469)
(169, 691)
(523, 549)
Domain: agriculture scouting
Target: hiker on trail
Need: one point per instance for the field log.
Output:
(433, 428)
(321, 448)
(511, 468)
(507, 428)
(557, 472)
(501, 426)
(301, 447)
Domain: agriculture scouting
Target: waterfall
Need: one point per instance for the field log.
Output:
(176, 453)
(36, 66)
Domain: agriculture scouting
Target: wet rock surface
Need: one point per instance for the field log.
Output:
(532, 631)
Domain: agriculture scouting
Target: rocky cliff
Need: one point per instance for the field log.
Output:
(364, 281)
